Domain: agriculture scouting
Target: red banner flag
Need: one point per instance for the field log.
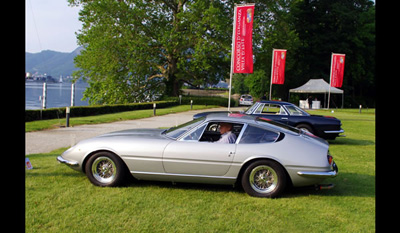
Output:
(243, 34)
(278, 66)
(337, 70)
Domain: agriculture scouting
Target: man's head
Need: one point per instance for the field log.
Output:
(225, 127)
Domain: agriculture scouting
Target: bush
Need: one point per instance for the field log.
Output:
(54, 113)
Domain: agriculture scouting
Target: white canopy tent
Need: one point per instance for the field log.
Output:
(317, 86)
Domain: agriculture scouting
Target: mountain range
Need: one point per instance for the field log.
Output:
(51, 62)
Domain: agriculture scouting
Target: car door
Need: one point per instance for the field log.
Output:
(273, 112)
(193, 157)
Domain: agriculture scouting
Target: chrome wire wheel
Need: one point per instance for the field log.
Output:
(104, 170)
(263, 179)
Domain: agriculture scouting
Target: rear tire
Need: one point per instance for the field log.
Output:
(105, 169)
(264, 178)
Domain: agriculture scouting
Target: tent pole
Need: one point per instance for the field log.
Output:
(342, 99)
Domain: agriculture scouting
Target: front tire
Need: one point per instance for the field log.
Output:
(305, 127)
(105, 169)
(264, 178)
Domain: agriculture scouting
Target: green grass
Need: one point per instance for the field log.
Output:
(59, 199)
(106, 118)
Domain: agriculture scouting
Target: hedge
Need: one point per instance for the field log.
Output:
(79, 111)
(204, 100)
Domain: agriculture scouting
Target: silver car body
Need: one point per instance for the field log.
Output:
(150, 154)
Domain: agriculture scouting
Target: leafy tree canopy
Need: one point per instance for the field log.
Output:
(136, 50)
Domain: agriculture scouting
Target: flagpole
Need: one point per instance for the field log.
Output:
(233, 47)
(330, 81)
(272, 72)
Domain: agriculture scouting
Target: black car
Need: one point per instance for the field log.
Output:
(326, 127)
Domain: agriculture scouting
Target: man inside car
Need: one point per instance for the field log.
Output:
(226, 133)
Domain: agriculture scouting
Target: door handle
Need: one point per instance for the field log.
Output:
(284, 118)
(231, 153)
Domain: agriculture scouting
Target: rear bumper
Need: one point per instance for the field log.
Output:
(327, 174)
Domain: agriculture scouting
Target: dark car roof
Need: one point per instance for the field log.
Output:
(231, 117)
(275, 102)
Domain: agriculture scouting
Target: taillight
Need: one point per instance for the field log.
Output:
(330, 159)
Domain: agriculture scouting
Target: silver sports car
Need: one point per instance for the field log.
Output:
(266, 157)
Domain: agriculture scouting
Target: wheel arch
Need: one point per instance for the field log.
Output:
(306, 123)
(252, 160)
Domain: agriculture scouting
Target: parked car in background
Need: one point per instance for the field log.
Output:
(265, 158)
(246, 100)
(326, 127)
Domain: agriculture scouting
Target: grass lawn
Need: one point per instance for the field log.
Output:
(106, 118)
(59, 199)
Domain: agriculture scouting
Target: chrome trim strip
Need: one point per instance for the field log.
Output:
(67, 162)
(183, 175)
(317, 174)
(334, 131)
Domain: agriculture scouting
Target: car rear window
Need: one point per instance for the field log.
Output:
(254, 134)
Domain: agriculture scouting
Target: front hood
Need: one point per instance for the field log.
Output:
(140, 133)
(326, 117)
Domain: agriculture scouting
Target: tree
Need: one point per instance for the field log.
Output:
(339, 26)
(134, 50)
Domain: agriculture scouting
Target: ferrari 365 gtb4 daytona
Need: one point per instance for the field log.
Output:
(265, 158)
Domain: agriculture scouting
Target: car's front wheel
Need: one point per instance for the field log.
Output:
(105, 169)
(264, 178)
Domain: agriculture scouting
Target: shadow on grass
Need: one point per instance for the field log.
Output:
(346, 185)
(351, 142)
(184, 186)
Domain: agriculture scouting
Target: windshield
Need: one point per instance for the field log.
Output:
(296, 111)
(251, 108)
(177, 131)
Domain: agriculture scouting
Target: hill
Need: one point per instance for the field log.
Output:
(51, 62)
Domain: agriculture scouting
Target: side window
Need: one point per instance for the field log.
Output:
(212, 131)
(195, 135)
(258, 135)
(273, 109)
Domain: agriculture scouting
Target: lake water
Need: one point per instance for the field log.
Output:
(58, 94)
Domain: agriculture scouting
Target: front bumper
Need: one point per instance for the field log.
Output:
(334, 131)
(328, 174)
(67, 162)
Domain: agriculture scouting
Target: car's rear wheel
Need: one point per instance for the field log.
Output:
(105, 169)
(264, 178)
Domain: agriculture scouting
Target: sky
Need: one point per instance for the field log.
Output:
(50, 25)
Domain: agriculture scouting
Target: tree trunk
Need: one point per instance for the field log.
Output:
(172, 86)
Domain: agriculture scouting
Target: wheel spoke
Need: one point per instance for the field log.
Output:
(263, 179)
(103, 169)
